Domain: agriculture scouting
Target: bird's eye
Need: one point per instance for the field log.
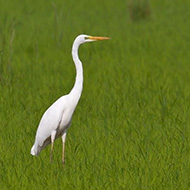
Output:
(86, 38)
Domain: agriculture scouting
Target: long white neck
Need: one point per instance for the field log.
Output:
(78, 86)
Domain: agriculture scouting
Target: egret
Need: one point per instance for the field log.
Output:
(57, 118)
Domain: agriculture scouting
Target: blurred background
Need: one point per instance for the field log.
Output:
(131, 127)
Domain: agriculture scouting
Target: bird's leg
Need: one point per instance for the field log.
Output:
(52, 142)
(63, 153)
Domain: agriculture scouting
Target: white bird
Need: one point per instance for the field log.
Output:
(57, 118)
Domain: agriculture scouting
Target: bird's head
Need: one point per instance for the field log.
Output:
(86, 38)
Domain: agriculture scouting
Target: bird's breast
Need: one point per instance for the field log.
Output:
(65, 121)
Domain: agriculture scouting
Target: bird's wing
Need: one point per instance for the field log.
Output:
(50, 121)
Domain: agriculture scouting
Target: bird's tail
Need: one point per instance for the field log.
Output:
(33, 151)
(36, 148)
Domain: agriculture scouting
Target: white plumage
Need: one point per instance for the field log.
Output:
(57, 118)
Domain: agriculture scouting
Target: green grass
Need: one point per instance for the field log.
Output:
(131, 128)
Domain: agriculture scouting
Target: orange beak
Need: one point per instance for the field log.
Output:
(98, 38)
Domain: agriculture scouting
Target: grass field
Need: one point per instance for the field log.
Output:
(131, 128)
